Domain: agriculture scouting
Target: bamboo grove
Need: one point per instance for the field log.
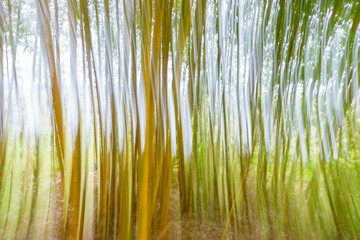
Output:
(179, 119)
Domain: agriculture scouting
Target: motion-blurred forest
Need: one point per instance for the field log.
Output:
(179, 119)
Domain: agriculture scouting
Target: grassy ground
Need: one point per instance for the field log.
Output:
(317, 202)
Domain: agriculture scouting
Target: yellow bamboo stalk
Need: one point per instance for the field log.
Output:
(183, 33)
(46, 40)
(143, 218)
(74, 227)
(167, 166)
(74, 224)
